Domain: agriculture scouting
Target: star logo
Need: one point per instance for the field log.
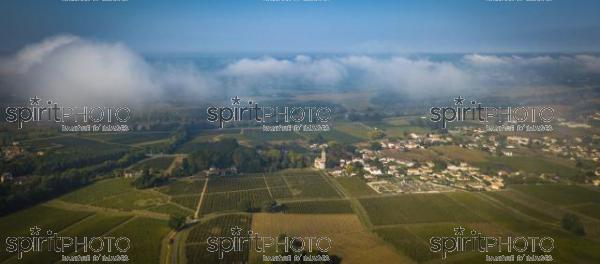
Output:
(236, 231)
(459, 100)
(35, 100)
(235, 100)
(35, 231)
(458, 231)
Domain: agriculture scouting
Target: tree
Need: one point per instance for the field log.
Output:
(571, 222)
(176, 222)
(376, 134)
(439, 165)
(375, 146)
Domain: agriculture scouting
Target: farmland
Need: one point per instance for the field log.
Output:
(158, 163)
(395, 228)
(318, 207)
(132, 138)
(195, 245)
(515, 211)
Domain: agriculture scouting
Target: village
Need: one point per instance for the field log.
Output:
(386, 174)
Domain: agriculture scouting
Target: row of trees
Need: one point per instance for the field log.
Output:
(41, 188)
(229, 153)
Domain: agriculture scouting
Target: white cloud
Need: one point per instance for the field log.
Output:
(320, 72)
(73, 69)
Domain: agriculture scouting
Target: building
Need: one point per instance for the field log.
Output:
(320, 162)
(6, 177)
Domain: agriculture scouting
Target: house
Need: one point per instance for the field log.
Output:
(6, 177)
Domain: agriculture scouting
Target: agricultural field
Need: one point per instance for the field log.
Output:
(357, 129)
(235, 183)
(183, 187)
(345, 231)
(534, 164)
(187, 201)
(318, 207)
(195, 244)
(415, 208)
(408, 221)
(19, 223)
(304, 184)
(146, 236)
(65, 147)
(158, 163)
(172, 209)
(462, 154)
(333, 135)
(257, 136)
(96, 225)
(115, 193)
(354, 186)
(145, 233)
(563, 195)
(227, 201)
(132, 138)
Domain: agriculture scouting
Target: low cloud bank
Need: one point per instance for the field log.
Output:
(71, 68)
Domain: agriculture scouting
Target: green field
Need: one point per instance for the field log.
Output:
(195, 245)
(355, 186)
(318, 207)
(46, 218)
(131, 137)
(115, 193)
(146, 238)
(415, 208)
(183, 187)
(408, 221)
(560, 194)
(534, 164)
(228, 201)
(159, 163)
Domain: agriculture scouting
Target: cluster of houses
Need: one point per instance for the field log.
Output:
(383, 173)
(12, 151)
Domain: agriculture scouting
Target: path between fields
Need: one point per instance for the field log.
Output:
(201, 198)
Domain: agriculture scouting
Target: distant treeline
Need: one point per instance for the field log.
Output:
(228, 153)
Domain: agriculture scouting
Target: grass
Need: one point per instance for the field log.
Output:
(458, 153)
(355, 129)
(225, 184)
(132, 200)
(115, 193)
(46, 218)
(355, 186)
(182, 187)
(560, 194)
(188, 201)
(415, 208)
(131, 137)
(591, 210)
(533, 164)
(99, 190)
(196, 247)
(351, 241)
(171, 209)
(146, 237)
(319, 207)
(159, 163)
(227, 201)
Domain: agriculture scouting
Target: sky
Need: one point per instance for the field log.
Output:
(341, 26)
